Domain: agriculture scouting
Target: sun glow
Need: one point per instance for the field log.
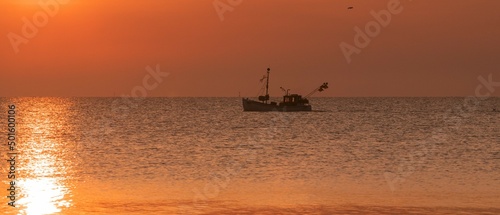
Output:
(43, 196)
(43, 189)
(44, 165)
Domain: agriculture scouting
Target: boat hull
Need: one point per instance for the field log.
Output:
(250, 105)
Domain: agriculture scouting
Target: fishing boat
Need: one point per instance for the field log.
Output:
(290, 102)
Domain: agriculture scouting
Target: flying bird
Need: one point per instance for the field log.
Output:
(350, 8)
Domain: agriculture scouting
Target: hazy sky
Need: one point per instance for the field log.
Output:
(102, 47)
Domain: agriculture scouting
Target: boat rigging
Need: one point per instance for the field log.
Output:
(291, 102)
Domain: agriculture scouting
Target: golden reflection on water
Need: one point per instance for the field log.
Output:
(44, 164)
(167, 170)
(43, 196)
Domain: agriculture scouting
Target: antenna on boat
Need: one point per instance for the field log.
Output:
(285, 91)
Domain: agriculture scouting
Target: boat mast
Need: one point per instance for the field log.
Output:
(267, 84)
(265, 98)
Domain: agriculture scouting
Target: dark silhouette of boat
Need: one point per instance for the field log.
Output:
(290, 103)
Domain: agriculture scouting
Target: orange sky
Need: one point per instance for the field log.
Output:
(101, 47)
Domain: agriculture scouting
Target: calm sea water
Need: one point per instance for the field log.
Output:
(207, 156)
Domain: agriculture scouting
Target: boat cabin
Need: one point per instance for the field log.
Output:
(294, 99)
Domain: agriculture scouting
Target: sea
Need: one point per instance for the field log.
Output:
(207, 156)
